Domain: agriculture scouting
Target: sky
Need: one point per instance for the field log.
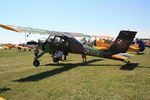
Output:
(98, 17)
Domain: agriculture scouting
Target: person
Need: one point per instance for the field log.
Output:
(36, 51)
(65, 54)
(94, 42)
(53, 54)
(84, 56)
(83, 40)
(59, 55)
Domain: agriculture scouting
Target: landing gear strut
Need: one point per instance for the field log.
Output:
(36, 62)
(127, 62)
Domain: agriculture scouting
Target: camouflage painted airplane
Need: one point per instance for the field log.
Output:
(65, 41)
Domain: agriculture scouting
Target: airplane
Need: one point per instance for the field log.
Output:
(66, 41)
(103, 42)
(7, 46)
(147, 43)
(137, 46)
(27, 46)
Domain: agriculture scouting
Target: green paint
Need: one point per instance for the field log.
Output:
(94, 52)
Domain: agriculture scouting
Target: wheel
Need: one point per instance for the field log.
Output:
(36, 63)
(55, 59)
(128, 62)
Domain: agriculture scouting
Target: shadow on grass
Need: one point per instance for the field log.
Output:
(129, 67)
(82, 64)
(143, 67)
(4, 89)
(66, 67)
(140, 53)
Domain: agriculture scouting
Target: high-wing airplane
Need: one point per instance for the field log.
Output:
(103, 42)
(65, 41)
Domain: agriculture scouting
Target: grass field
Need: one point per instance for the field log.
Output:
(98, 79)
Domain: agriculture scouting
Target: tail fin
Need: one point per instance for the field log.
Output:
(122, 42)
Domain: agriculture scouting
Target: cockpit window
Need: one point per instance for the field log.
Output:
(57, 39)
(32, 43)
(50, 38)
(61, 40)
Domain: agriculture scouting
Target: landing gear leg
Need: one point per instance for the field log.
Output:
(127, 62)
(36, 62)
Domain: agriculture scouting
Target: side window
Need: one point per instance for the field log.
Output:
(50, 38)
(57, 39)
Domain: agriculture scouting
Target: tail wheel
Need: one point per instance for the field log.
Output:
(128, 62)
(36, 63)
(55, 59)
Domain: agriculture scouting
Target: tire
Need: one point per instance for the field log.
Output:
(128, 63)
(36, 63)
(55, 59)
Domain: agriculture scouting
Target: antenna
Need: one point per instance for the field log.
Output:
(26, 35)
(25, 38)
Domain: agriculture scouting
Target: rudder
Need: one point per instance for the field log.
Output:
(122, 42)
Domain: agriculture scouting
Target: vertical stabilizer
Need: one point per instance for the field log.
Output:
(122, 42)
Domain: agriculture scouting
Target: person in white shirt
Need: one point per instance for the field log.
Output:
(59, 54)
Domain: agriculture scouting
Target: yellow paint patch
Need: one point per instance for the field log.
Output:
(101, 48)
(133, 48)
(2, 98)
(119, 57)
(11, 28)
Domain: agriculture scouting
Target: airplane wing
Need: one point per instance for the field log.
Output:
(122, 56)
(41, 31)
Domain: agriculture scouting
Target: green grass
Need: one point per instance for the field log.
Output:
(98, 79)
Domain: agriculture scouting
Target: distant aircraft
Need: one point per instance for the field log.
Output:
(27, 46)
(137, 46)
(147, 43)
(104, 42)
(7, 46)
(65, 41)
(24, 46)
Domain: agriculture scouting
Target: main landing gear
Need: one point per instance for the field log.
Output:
(36, 62)
(55, 59)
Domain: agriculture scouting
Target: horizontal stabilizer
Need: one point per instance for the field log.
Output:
(122, 56)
